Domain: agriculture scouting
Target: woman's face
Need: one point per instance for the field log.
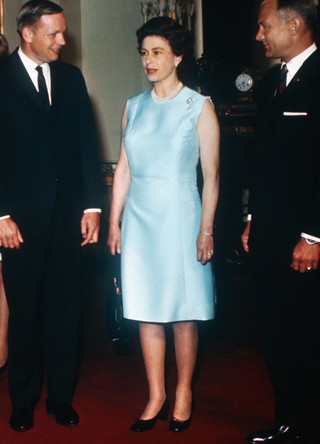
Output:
(158, 60)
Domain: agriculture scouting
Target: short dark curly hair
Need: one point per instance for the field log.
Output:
(179, 39)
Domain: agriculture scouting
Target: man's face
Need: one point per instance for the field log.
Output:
(47, 39)
(273, 33)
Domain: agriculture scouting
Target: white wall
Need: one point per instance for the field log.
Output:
(111, 64)
(11, 8)
(72, 52)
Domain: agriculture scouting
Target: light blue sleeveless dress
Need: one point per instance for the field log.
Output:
(162, 281)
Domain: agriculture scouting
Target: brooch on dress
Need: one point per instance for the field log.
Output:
(189, 102)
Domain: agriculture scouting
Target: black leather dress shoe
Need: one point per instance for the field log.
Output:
(21, 420)
(276, 435)
(3, 368)
(304, 440)
(63, 411)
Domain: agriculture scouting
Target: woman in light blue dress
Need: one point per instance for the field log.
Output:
(166, 237)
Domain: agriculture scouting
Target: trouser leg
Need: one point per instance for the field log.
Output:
(288, 306)
(24, 280)
(61, 313)
(42, 281)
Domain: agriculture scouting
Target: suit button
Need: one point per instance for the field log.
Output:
(54, 178)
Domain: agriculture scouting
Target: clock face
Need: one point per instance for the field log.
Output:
(244, 82)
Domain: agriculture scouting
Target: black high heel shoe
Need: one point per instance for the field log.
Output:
(144, 425)
(3, 368)
(177, 425)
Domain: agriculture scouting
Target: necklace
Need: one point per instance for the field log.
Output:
(169, 97)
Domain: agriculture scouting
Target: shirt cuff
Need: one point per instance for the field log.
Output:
(311, 238)
(93, 210)
(249, 217)
(5, 217)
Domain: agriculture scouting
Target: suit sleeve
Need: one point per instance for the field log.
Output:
(312, 220)
(312, 224)
(92, 189)
(3, 207)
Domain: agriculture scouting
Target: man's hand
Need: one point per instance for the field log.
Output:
(305, 257)
(245, 237)
(10, 236)
(90, 225)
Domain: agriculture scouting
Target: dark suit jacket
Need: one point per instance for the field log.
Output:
(42, 152)
(285, 197)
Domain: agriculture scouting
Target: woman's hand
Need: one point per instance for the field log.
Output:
(114, 240)
(205, 248)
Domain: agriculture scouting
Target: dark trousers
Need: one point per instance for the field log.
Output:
(42, 282)
(289, 310)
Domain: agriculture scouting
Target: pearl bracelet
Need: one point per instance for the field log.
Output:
(207, 234)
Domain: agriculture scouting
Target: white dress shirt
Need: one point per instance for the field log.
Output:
(31, 66)
(295, 64)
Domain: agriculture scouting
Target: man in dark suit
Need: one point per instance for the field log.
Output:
(283, 231)
(49, 201)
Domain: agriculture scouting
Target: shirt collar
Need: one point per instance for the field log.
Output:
(30, 65)
(295, 64)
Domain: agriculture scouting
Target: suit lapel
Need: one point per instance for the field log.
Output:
(22, 77)
(303, 75)
(56, 89)
(271, 106)
(289, 91)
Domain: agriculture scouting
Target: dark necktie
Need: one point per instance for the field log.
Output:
(43, 88)
(282, 80)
